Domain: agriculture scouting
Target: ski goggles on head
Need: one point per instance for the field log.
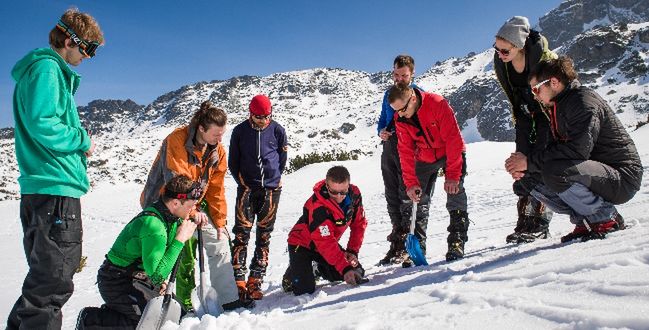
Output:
(86, 48)
(194, 192)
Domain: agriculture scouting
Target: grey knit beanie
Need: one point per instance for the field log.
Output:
(515, 30)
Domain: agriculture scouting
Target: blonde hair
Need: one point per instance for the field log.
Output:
(84, 25)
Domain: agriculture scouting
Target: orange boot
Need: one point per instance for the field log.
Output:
(254, 288)
(243, 290)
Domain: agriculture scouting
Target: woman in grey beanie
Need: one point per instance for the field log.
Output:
(518, 49)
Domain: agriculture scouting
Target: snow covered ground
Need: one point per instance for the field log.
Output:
(546, 284)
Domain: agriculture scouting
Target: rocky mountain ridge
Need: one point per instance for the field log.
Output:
(326, 109)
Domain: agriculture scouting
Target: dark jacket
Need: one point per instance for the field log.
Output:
(429, 135)
(257, 157)
(530, 122)
(585, 128)
(323, 222)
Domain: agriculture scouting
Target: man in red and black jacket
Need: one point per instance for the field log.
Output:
(430, 140)
(334, 206)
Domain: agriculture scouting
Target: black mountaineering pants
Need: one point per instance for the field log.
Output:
(301, 271)
(395, 191)
(124, 303)
(52, 241)
(262, 203)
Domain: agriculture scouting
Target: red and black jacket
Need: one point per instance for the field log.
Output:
(429, 135)
(323, 223)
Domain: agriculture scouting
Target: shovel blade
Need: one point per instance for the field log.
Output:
(157, 313)
(414, 250)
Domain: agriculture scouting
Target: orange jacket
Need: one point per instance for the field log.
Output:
(178, 155)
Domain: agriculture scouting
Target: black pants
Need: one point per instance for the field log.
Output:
(300, 269)
(427, 176)
(395, 191)
(123, 303)
(262, 203)
(52, 231)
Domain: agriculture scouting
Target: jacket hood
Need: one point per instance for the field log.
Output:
(24, 64)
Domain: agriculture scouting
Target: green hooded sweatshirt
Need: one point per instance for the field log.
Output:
(50, 142)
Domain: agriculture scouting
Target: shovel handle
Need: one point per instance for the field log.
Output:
(201, 258)
(413, 218)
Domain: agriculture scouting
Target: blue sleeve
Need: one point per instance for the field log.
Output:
(233, 155)
(282, 147)
(386, 114)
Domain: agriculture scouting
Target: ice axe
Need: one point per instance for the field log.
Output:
(161, 309)
(412, 243)
(203, 291)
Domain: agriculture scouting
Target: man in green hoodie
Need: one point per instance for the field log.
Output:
(51, 149)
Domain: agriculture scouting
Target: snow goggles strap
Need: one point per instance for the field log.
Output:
(86, 48)
(194, 192)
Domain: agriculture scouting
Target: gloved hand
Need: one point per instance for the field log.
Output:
(149, 291)
(353, 276)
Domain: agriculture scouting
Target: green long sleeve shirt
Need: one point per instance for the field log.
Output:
(150, 241)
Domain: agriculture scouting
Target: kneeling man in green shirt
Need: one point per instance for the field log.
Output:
(142, 257)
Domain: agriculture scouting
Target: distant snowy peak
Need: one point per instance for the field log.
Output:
(573, 17)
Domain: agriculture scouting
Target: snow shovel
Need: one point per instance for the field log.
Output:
(203, 291)
(412, 243)
(161, 309)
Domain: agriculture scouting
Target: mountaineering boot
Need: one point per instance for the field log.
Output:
(538, 227)
(533, 221)
(254, 288)
(407, 262)
(597, 230)
(287, 285)
(457, 229)
(244, 300)
(522, 222)
(395, 254)
(243, 290)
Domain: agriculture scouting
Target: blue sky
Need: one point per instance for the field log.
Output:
(153, 47)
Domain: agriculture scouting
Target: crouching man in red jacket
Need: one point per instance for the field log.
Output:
(334, 206)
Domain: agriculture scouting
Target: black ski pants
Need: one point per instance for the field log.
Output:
(395, 191)
(123, 305)
(427, 176)
(262, 204)
(52, 231)
(300, 269)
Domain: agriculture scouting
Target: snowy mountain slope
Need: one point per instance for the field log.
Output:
(336, 110)
(546, 284)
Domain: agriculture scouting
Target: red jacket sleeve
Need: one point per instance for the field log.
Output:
(322, 234)
(452, 138)
(406, 147)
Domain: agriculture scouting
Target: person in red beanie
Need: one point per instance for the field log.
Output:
(257, 159)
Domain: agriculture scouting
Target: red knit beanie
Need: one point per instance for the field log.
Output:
(260, 105)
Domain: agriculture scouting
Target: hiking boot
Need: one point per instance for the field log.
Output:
(243, 290)
(537, 228)
(254, 288)
(239, 303)
(389, 257)
(394, 257)
(597, 230)
(287, 284)
(455, 251)
(407, 262)
(457, 234)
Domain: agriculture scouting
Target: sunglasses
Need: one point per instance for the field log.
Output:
(339, 193)
(86, 48)
(262, 117)
(504, 52)
(536, 88)
(405, 107)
